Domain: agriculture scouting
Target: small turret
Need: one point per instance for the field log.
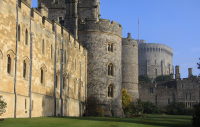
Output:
(189, 72)
(43, 10)
(177, 75)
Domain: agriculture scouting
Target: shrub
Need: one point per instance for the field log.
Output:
(126, 99)
(163, 78)
(196, 116)
(176, 108)
(100, 112)
(149, 108)
(144, 78)
(92, 106)
(3, 105)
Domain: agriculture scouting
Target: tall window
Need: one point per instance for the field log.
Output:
(18, 32)
(151, 90)
(24, 69)
(110, 47)
(42, 76)
(60, 19)
(25, 103)
(56, 81)
(26, 37)
(168, 101)
(110, 90)
(155, 62)
(9, 65)
(43, 52)
(65, 57)
(155, 71)
(110, 69)
(63, 82)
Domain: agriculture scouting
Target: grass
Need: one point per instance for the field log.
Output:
(150, 121)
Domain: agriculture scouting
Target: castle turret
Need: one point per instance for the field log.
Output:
(189, 72)
(130, 66)
(177, 71)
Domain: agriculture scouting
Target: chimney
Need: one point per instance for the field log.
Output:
(171, 76)
(189, 72)
(177, 69)
(129, 35)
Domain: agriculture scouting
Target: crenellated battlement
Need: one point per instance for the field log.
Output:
(104, 25)
(155, 47)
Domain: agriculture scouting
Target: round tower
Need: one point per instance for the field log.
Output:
(154, 59)
(130, 66)
(103, 41)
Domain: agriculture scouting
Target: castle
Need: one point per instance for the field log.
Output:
(55, 57)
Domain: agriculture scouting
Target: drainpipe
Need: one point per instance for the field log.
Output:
(30, 77)
(55, 69)
(15, 106)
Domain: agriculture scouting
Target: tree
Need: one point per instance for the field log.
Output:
(196, 116)
(149, 107)
(126, 99)
(163, 78)
(3, 105)
(198, 64)
(144, 78)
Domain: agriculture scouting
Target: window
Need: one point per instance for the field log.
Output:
(151, 90)
(110, 47)
(110, 69)
(60, 19)
(168, 101)
(64, 82)
(182, 86)
(186, 96)
(155, 62)
(9, 65)
(43, 52)
(26, 37)
(65, 57)
(41, 76)
(18, 32)
(24, 69)
(190, 96)
(56, 1)
(155, 71)
(110, 90)
(56, 81)
(25, 103)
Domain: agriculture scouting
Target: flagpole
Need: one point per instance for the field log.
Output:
(138, 28)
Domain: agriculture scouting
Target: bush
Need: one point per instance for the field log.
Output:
(92, 106)
(144, 78)
(176, 108)
(3, 105)
(100, 112)
(126, 99)
(196, 116)
(149, 108)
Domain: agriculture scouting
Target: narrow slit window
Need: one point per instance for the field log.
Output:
(24, 69)
(43, 47)
(9, 65)
(110, 90)
(26, 37)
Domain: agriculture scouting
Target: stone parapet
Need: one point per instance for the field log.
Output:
(104, 25)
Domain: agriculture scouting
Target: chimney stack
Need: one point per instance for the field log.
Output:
(189, 72)
(177, 69)
(129, 35)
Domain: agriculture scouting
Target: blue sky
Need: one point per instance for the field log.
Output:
(175, 23)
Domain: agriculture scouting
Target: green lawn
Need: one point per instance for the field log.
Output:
(150, 121)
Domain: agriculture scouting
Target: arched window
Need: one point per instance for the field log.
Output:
(147, 49)
(43, 45)
(155, 71)
(18, 32)
(9, 65)
(110, 69)
(155, 62)
(110, 90)
(26, 37)
(24, 69)
(150, 49)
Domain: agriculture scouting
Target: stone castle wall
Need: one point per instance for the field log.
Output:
(130, 67)
(75, 67)
(153, 56)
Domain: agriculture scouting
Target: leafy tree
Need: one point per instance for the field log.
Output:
(163, 78)
(144, 78)
(198, 64)
(126, 99)
(3, 105)
(196, 116)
